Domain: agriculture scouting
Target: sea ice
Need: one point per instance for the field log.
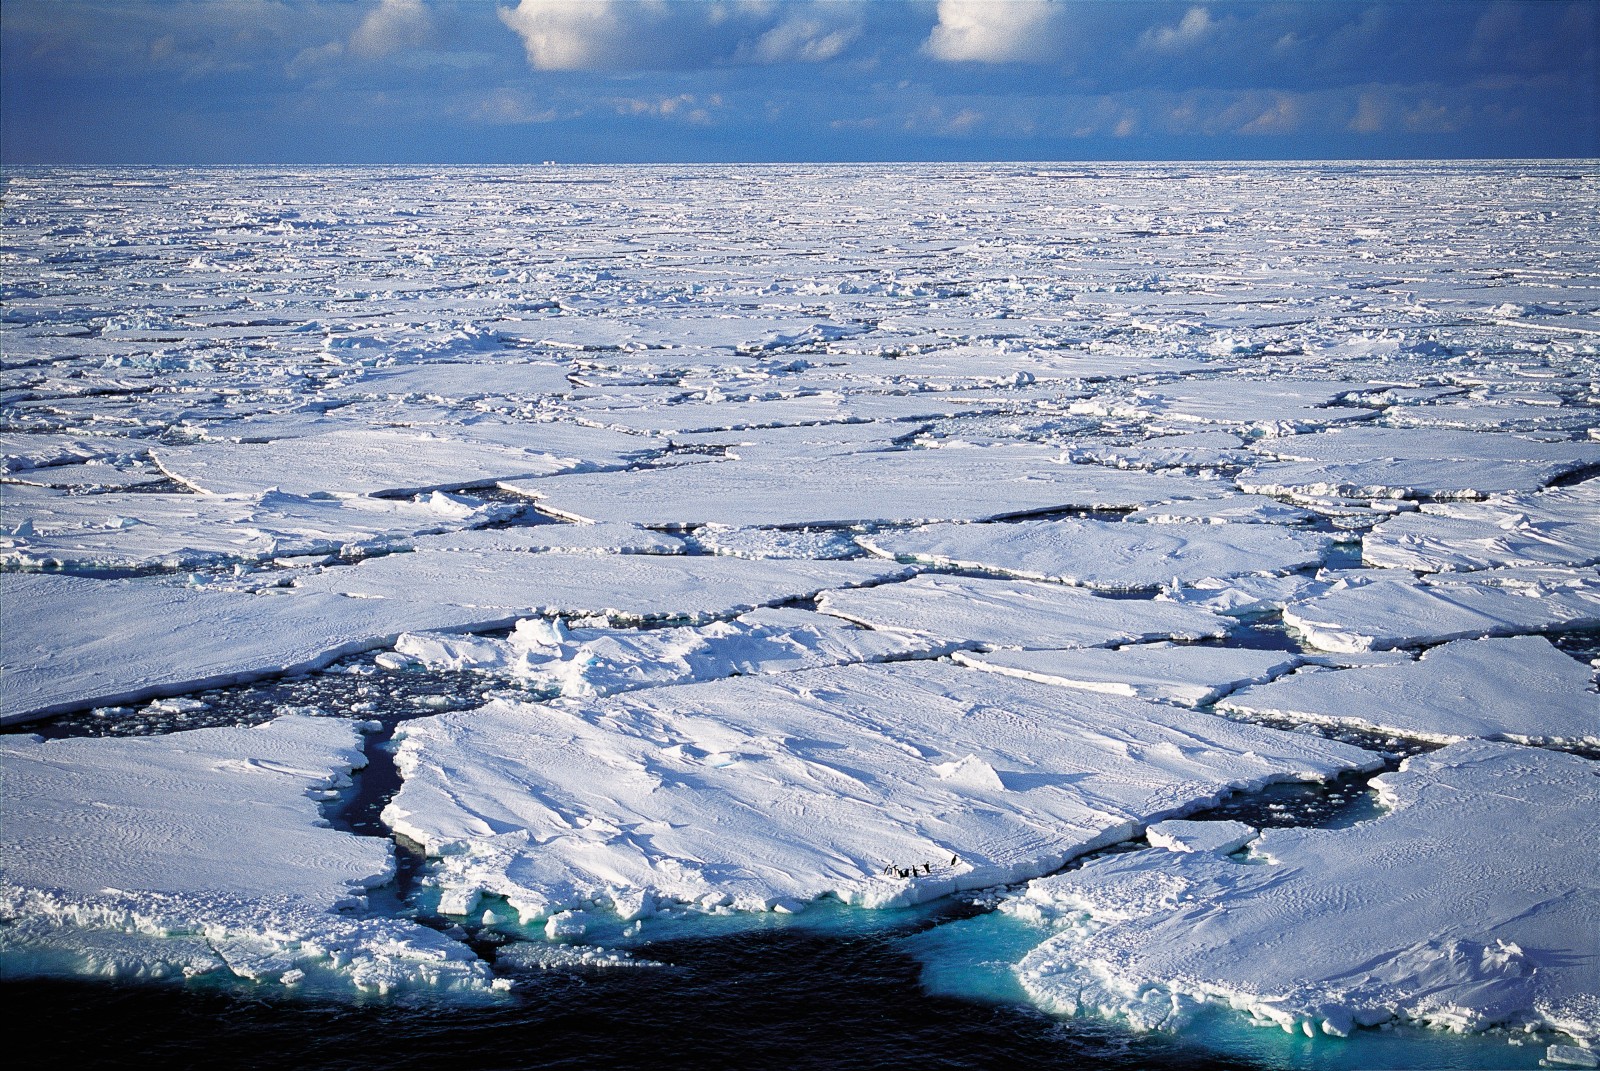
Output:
(1519, 688)
(379, 461)
(1017, 613)
(1554, 527)
(1190, 675)
(890, 486)
(74, 643)
(202, 853)
(1414, 915)
(1111, 556)
(631, 587)
(1219, 838)
(183, 531)
(549, 657)
(1384, 613)
(883, 785)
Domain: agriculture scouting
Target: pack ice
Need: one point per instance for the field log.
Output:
(1415, 915)
(204, 853)
(879, 785)
(1109, 556)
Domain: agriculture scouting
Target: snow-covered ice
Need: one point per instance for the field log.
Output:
(1382, 613)
(203, 853)
(888, 486)
(375, 383)
(1107, 555)
(1028, 614)
(1518, 688)
(1414, 915)
(757, 791)
(1189, 674)
(548, 657)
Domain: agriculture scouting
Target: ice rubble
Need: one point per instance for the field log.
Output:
(1016, 613)
(881, 785)
(203, 853)
(889, 486)
(1111, 556)
(1190, 675)
(1519, 688)
(1414, 915)
(551, 658)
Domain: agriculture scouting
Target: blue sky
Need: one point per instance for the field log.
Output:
(480, 81)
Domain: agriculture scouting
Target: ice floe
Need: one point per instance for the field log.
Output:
(1414, 915)
(1107, 555)
(881, 785)
(1385, 613)
(627, 587)
(1519, 688)
(1189, 674)
(548, 657)
(1027, 614)
(203, 854)
(889, 486)
(380, 461)
(134, 531)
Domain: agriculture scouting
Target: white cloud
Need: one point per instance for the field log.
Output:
(570, 35)
(805, 37)
(1196, 25)
(393, 26)
(994, 31)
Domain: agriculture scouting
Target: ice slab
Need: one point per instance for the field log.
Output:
(1174, 673)
(74, 643)
(630, 587)
(1384, 613)
(454, 381)
(1110, 556)
(1218, 838)
(179, 531)
(1230, 509)
(380, 461)
(1426, 478)
(891, 486)
(572, 538)
(550, 658)
(202, 853)
(1518, 688)
(1374, 462)
(1017, 613)
(1552, 528)
(756, 792)
(1415, 915)
(1277, 406)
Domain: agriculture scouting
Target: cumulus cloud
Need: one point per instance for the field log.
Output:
(393, 26)
(994, 31)
(570, 35)
(1195, 26)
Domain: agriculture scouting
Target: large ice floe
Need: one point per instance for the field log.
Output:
(824, 532)
(1519, 688)
(1415, 915)
(1107, 555)
(879, 785)
(204, 854)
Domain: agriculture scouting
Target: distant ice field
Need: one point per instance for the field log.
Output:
(657, 547)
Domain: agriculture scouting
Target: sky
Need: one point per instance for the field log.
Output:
(518, 81)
